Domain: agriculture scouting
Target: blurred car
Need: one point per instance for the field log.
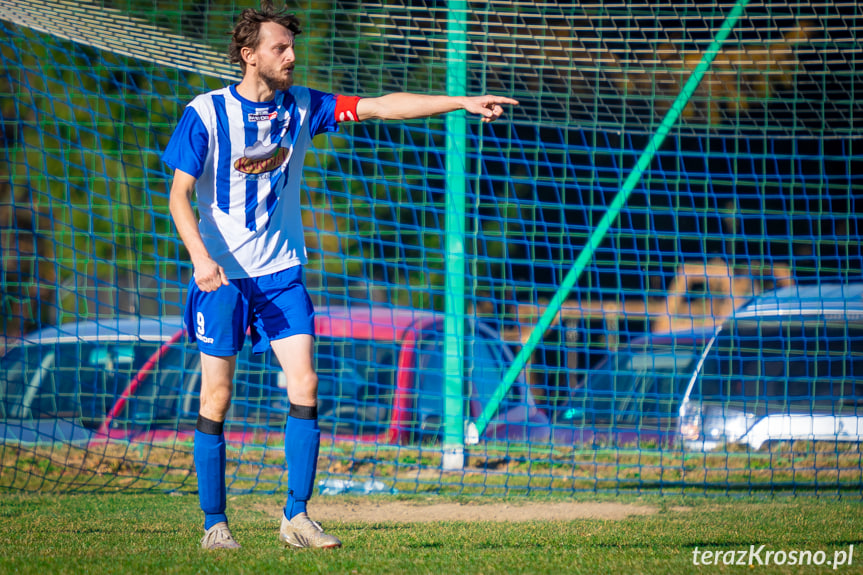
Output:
(380, 379)
(788, 366)
(633, 395)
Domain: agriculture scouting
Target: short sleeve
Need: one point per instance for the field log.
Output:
(322, 108)
(187, 149)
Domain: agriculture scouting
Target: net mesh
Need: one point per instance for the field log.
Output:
(757, 186)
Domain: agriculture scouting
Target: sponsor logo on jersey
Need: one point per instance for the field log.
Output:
(259, 177)
(249, 165)
(263, 115)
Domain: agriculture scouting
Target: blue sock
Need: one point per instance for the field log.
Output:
(210, 466)
(302, 442)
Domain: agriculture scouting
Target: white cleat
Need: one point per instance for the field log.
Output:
(303, 533)
(219, 537)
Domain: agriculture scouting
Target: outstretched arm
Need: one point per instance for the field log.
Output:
(405, 106)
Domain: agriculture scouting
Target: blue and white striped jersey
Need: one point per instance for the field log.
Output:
(248, 161)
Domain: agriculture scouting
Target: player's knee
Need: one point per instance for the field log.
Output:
(306, 388)
(216, 403)
(309, 385)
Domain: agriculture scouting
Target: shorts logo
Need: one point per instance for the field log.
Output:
(200, 330)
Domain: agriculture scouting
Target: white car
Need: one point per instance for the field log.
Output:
(788, 366)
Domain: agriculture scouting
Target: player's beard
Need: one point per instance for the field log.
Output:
(282, 81)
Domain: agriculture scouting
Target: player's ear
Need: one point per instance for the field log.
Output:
(248, 55)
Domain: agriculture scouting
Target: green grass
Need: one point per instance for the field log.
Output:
(155, 533)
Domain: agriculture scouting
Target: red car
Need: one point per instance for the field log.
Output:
(380, 380)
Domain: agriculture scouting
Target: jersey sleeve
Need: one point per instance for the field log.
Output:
(328, 110)
(187, 148)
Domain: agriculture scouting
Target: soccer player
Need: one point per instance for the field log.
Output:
(241, 149)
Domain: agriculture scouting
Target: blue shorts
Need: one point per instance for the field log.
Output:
(274, 306)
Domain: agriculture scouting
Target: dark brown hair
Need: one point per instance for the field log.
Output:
(248, 26)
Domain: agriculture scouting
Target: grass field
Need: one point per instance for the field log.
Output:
(155, 533)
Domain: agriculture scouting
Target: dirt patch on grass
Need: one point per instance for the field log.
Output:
(333, 510)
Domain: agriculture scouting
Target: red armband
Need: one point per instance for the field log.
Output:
(346, 108)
